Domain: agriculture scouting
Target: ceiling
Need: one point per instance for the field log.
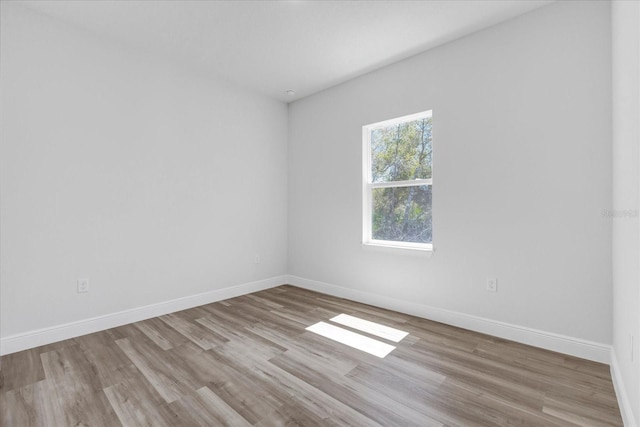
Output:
(274, 46)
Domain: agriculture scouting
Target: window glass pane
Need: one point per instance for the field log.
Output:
(402, 214)
(401, 152)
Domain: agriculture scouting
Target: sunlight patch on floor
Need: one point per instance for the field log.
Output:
(372, 328)
(357, 341)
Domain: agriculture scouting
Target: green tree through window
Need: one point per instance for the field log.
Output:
(398, 188)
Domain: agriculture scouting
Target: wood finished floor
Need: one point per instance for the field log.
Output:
(249, 361)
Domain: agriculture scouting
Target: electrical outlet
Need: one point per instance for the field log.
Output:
(83, 285)
(492, 284)
(256, 259)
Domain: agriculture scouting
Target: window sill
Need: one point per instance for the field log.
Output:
(390, 247)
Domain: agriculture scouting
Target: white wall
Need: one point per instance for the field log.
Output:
(626, 189)
(150, 180)
(522, 174)
(157, 183)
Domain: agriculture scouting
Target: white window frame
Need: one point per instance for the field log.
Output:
(368, 186)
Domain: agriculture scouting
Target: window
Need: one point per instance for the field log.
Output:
(397, 182)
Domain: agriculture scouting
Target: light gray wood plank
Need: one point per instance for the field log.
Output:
(249, 361)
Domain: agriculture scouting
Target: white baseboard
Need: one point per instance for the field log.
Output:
(561, 343)
(31, 339)
(623, 399)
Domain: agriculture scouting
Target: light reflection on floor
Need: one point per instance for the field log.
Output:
(369, 327)
(358, 341)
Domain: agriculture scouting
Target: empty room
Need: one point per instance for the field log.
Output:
(317, 212)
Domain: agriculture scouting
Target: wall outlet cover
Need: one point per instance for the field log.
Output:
(83, 285)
